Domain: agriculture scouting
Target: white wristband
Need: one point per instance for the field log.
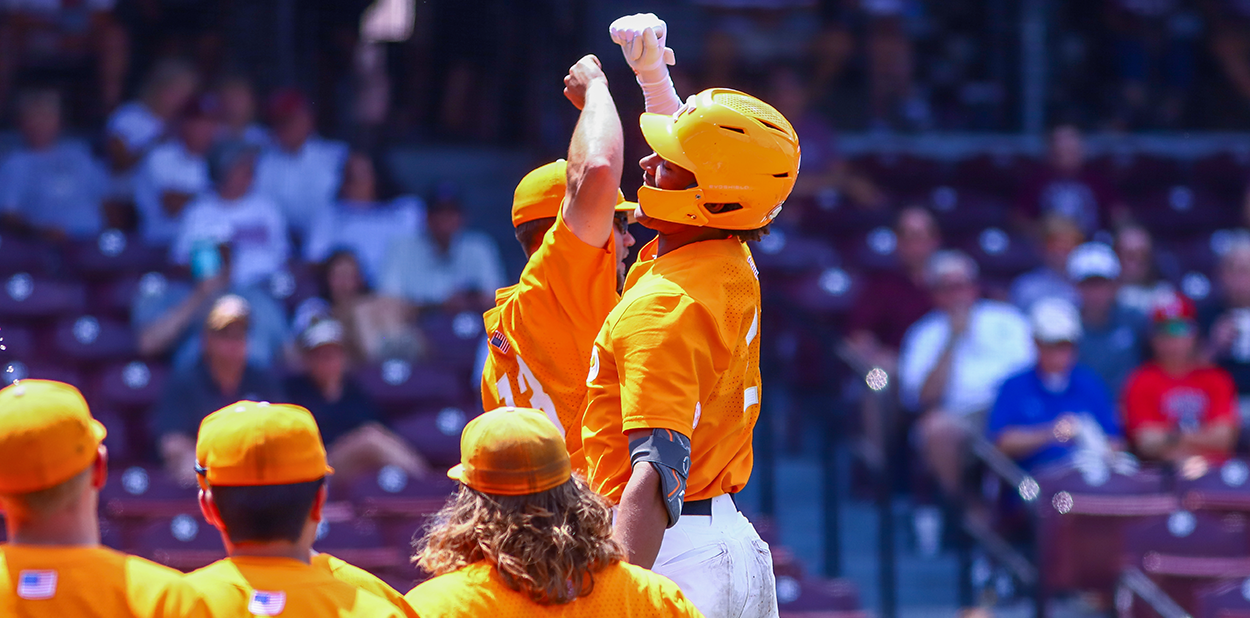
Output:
(659, 93)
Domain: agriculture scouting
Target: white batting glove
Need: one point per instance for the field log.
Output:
(642, 38)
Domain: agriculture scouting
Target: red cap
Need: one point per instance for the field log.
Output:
(1173, 307)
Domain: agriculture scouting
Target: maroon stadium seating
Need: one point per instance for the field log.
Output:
(436, 433)
(1225, 599)
(1225, 487)
(88, 339)
(185, 542)
(113, 253)
(1183, 551)
(26, 297)
(813, 598)
(399, 386)
(400, 504)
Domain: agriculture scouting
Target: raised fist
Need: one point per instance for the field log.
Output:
(643, 38)
(580, 77)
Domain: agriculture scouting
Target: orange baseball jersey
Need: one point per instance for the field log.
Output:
(91, 582)
(541, 329)
(360, 578)
(622, 590)
(681, 352)
(262, 586)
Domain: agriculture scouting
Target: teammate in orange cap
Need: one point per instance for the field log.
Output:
(674, 385)
(524, 536)
(52, 466)
(262, 470)
(573, 223)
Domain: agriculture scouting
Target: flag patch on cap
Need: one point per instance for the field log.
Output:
(500, 342)
(36, 585)
(266, 603)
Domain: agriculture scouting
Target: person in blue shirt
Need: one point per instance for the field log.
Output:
(1037, 413)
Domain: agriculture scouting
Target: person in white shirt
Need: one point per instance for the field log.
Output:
(954, 359)
(174, 173)
(244, 225)
(360, 222)
(237, 102)
(51, 184)
(445, 265)
(137, 126)
(301, 172)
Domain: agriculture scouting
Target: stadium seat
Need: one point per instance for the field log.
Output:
(294, 284)
(20, 370)
(1183, 210)
(788, 252)
(826, 293)
(399, 386)
(999, 174)
(18, 342)
(962, 213)
(1225, 487)
(1082, 520)
(436, 433)
(1183, 551)
(185, 542)
(901, 174)
(133, 385)
(1224, 173)
(113, 253)
(18, 255)
(398, 503)
(118, 439)
(1136, 174)
(814, 598)
(454, 340)
(26, 297)
(359, 542)
(1000, 254)
(1225, 599)
(88, 339)
(139, 493)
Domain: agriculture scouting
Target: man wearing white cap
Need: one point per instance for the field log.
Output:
(1113, 341)
(1038, 411)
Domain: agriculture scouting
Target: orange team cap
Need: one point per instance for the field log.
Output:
(512, 452)
(47, 435)
(249, 443)
(540, 193)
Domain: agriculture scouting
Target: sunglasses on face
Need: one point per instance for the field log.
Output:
(621, 222)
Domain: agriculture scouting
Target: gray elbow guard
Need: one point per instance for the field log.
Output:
(669, 453)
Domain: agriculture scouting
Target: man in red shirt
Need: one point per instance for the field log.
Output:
(1176, 406)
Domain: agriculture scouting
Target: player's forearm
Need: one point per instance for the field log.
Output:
(596, 155)
(934, 387)
(1214, 438)
(641, 517)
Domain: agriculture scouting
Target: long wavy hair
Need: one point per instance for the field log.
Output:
(547, 546)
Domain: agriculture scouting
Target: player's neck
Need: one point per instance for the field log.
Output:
(72, 527)
(687, 235)
(276, 549)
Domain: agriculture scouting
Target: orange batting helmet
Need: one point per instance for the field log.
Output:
(741, 151)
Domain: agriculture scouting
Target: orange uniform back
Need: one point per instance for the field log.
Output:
(256, 586)
(360, 578)
(541, 329)
(91, 582)
(681, 351)
(621, 590)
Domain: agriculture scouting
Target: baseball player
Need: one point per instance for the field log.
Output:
(572, 221)
(524, 536)
(674, 384)
(52, 466)
(262, 470)
(349, 573)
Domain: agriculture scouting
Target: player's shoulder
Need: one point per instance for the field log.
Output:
(467, 587)
(146, 572)
(351, 574)
(661, 591)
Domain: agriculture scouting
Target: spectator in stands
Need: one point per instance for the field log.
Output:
(1038, 411)
(237, 120)
(1065, 186)
(359, 221)
(222, 375)
(894, 300)
(1226, 321)
(1140, 277)
(302, 171)
(350, 422)
(166, 316)
(235, 222)
(954, 360)
(1153, 49)
(62, 33)
(1114, 335)
(174, 173)
(1177, 406)
(444, 265)
(137, 126)
(377, 327)
(49, 184)
(1060, 235)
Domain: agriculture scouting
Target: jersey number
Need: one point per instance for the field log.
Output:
(530, 389)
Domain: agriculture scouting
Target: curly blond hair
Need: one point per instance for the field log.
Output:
(547, 546)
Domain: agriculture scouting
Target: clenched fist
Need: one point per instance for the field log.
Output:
(643, 38)
(581, 75)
